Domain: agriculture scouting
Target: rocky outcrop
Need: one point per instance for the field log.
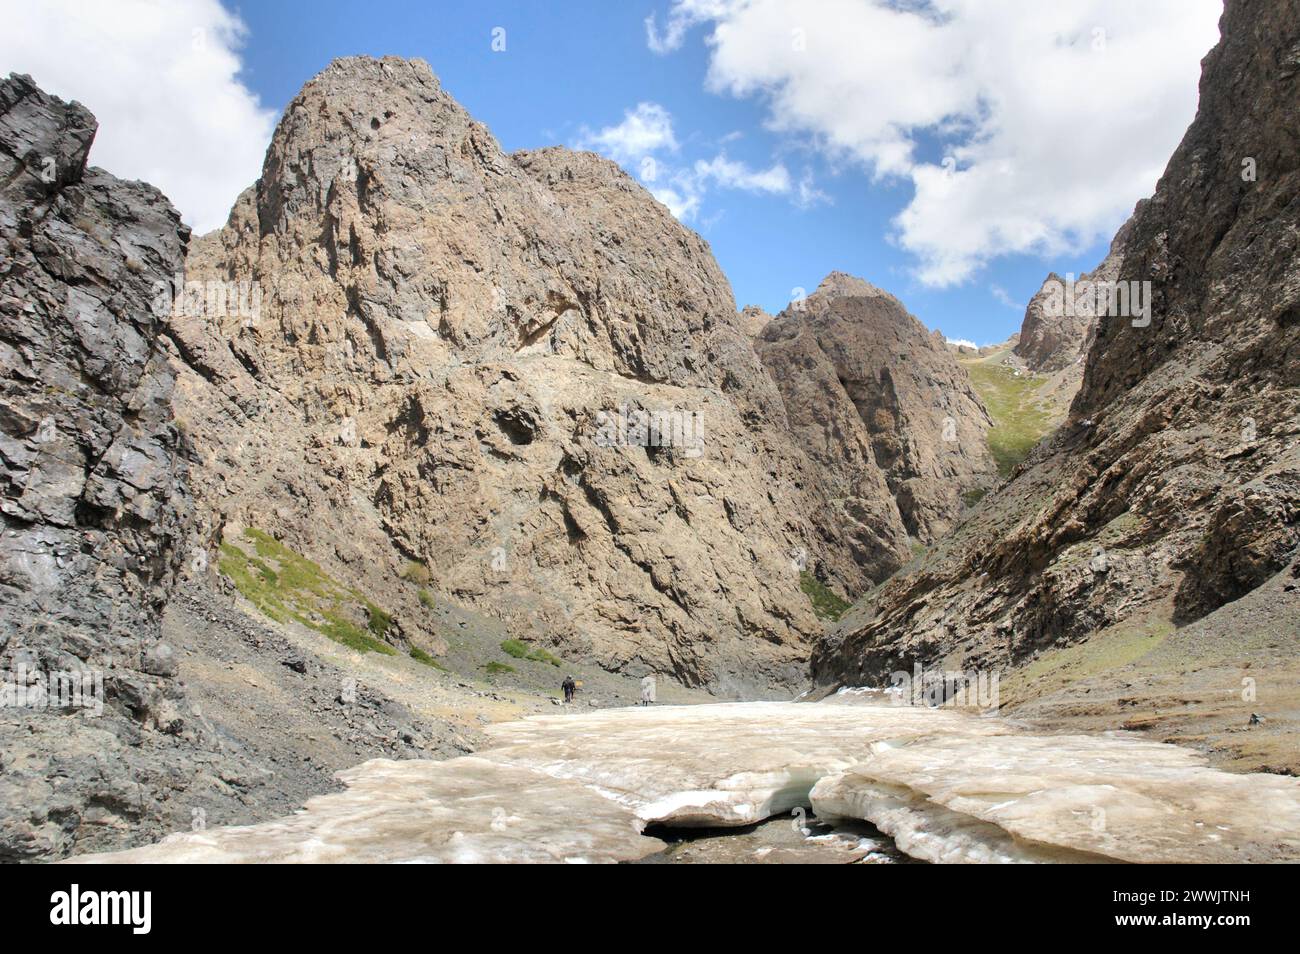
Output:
(753, 320)
(1173, 487)
(884, 411)
(1061, 319)
(517, 370)
(93, 494)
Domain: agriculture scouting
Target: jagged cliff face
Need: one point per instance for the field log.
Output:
(94, 501)
(1055, 337)
(1175, 485)
(449, 366)
(753, 320)
(92, 486)
(885, 412)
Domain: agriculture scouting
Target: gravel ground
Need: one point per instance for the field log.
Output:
(291, 707)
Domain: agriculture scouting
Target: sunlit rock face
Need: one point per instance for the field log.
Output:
(1180, 459)
(453, 362)
(1054, 336)
(885, 412)
(948, 786)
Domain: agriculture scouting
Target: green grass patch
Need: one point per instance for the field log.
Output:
(426, 599)
(973, 496)
(416, 573)
(284, 585)
(1019, 423)
(420, 656)
(825, 602)
(521, 650)
(494, 668)
(351, 635)
(378, 621)
(1107, 649)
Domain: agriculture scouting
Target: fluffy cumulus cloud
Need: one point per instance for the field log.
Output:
(162, 78)
(1023, 127)
(644, 144)
(644, 131)
(736, 175)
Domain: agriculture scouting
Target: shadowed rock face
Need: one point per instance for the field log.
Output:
(448, 341)
(92, 485)
(1173, 488)
(885, 412)
(94, 499)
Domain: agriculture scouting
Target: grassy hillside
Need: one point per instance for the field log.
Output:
(1021, 413)
(287, 586)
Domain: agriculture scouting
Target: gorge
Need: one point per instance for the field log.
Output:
(341, 490)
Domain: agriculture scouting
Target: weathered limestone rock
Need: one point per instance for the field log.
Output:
(450, 365)
(754, 319)
(885, 412)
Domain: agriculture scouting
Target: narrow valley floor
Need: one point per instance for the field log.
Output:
(290, 708)
(946, 786)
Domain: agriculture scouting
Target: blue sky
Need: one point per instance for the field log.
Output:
(801, 131)
(586, 66)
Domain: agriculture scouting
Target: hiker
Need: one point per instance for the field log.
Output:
(569, 687)
(647, 690)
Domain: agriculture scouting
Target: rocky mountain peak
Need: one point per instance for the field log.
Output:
(843, 285)
(453, 353)
(1061, 319)
(885, 410)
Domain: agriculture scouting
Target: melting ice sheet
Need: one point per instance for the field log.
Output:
(947, 786)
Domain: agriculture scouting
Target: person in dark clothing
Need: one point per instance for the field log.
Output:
(569, 687)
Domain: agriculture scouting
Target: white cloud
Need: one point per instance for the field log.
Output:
(645, 130)
(646, 133)
(162, 79)
(688, 186)
(730, 174)
(682, 17)
(681, 202)
(1057, 116)
(808, 194)
(1001, 295)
